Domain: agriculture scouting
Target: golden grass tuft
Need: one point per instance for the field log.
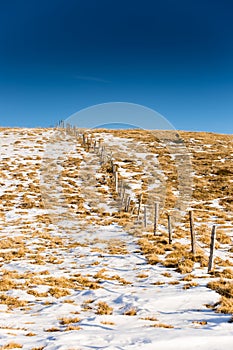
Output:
(117, 247)
(190, 285)
(68, 320)
(161, 325)
(108, 323)
(202, 323)
(223, 287)
(149, 318)
(223, 238)
(58, 292)
(142, 275)
(185, 266)
(72, 327)
(53, 329)
(12, 302)
(225, 305)
(104, 309)
(226, 273)
(11, 345)
(131, 312)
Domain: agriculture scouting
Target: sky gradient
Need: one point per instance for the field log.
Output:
(60, 56)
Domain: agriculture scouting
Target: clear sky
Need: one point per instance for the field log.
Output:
(174, 56)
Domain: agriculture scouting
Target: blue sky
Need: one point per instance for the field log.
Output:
(60, 56)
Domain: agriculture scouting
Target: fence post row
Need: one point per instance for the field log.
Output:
(120, 189)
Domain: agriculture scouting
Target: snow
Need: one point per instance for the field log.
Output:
(85, 250)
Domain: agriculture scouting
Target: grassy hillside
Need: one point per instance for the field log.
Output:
(69, 239)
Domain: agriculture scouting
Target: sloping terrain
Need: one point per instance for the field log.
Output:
(81, 264)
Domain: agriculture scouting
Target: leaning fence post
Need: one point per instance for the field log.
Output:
(212, 245)
(192, 232)
(156, 217)
(169, 229)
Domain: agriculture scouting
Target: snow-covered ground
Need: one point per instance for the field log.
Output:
(71, 277)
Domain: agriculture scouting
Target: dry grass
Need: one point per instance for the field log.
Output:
(226, 273)
(166, 274)
(131, 312)
(173, 282)
(223, 238)
(225, 288)
(161, 325)
(68, 320)
(72, 327)
(190, 285)
(117, 247)
(53, 329)
(108, 323)
(104, 309)
(202, 323)
(149, 318)
(142, 275)
(12, 302)
(59, 292)
(11, 345)
(225, 305)
(37, 294)
(84, 282)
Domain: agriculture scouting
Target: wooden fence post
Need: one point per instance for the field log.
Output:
(192, 232)
(84, 139)
(100, 143)
(88, 144)
(169, 229)
(139, 206)
(95, 146)
(123, 193)
(156, 218)
(128, 204)
(116, 181)
(102, 154)
(212, 245)
(145, 216)
(120, 188)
